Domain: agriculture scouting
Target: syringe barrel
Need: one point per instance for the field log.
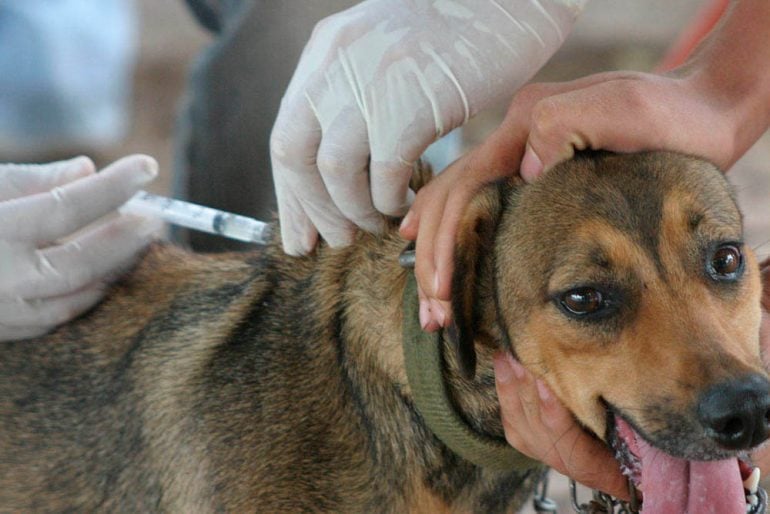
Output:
(198, 217)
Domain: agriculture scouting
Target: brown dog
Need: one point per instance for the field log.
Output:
(261, 382)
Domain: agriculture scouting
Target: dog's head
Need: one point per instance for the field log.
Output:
(623, 281)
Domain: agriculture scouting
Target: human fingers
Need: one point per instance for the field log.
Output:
(426, 318)
(625, 114)
(343, 161)
(45, 217)
(432, 221)
(539, 426)
(17, 180)
(304, 205)
(423, 221)
(94, 255)
(435, 215)
(391, 167)
(30, 318)
(397, 69)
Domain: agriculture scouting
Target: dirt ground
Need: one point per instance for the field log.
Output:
(613, 34)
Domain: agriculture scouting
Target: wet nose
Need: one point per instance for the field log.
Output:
(736, 414)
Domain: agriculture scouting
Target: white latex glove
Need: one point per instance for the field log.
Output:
(377, 83)
(46, 279)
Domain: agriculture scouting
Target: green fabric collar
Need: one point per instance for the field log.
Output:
(422, 356)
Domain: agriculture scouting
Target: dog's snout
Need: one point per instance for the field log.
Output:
(736, 414)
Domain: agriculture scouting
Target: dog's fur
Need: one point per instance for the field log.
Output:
(261, 382)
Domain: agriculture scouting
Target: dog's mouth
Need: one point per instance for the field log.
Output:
(671, 484)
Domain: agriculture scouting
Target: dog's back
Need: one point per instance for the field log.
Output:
(91, 412)
(235, 383)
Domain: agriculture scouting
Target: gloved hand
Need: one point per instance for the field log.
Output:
(377, 84)
(45, 279)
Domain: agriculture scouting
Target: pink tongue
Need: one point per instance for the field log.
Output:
(675, 486)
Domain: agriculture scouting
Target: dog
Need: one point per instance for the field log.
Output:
(260, 382)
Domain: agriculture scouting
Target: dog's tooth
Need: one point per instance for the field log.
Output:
(752, 499)
(751, 484)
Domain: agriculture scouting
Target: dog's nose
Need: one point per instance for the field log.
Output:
(736, 414)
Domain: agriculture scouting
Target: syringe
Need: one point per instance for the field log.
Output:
(198, 217)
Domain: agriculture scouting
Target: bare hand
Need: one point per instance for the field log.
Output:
(539, 426)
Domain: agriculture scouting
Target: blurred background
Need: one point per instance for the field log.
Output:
(151, 79)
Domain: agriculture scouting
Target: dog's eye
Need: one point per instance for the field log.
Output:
(582, 301)
(726, 263)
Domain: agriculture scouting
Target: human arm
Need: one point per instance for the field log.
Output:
(377, 84)
(52, 270)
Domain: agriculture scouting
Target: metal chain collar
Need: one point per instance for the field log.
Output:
(600, 503)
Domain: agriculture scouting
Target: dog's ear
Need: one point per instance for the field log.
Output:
(475, 240)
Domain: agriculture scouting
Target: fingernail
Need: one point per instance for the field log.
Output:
(80, 165)
(518, 369)
(405, 222)
(531, 165)
(437, 310)
(424, 314)
(543, 391)
(149, 166)
(503, 370)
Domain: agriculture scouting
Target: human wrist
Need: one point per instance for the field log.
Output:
(741, 102)
(729, 72)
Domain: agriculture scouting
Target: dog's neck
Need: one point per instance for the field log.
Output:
(377, 281)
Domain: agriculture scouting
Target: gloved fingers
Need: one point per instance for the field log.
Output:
(17, 180)
(96, 254)
(304, 203)
(294, 144)
(343, 161)
(389, 179)
(45, 313)
(298, 235)
(335, 229)
(45, 217)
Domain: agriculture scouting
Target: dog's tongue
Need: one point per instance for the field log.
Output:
(675, 486)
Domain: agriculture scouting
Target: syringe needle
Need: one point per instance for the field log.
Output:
(198, 217)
